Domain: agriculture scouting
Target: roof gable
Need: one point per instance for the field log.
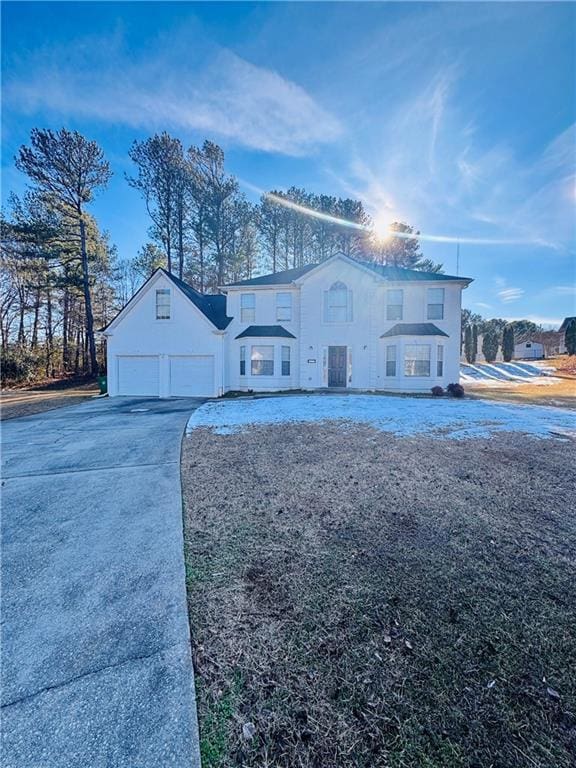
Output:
(212, 306)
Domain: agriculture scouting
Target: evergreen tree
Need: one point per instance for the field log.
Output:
(468, 347)
(474, 342)
(508, 343)
(570, 338)
(490, 345)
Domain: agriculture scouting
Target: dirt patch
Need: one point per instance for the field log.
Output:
(358, 599)
(26, 402)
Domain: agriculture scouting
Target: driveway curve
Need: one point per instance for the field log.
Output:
(96, 664)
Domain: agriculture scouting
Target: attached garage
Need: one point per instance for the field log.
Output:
(139, 375)
(192, 376)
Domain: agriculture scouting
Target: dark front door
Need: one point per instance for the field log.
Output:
(337, 366)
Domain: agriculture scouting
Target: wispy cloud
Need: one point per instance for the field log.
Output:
(510, 294)
(176, 84)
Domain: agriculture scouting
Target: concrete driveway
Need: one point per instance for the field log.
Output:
(95, 645)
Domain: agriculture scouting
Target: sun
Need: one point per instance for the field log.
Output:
(383, 227)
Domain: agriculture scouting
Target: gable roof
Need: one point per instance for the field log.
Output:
(266, 330)
(213, 306)
(383, 271)
(414, 329)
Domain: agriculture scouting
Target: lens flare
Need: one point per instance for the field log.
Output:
(382, 231)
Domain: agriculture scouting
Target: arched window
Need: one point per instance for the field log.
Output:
(338, 304)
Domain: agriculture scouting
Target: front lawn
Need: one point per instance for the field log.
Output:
(363, 597)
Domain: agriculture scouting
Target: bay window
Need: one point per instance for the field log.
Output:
(417, 360)
(440, 361)
(285, 361)
(262, 361)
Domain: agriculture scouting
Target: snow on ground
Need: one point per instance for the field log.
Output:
(437, 417)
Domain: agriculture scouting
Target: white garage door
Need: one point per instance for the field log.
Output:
(138, 375)
(192, 376)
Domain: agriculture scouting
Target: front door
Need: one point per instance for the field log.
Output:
(337, 366)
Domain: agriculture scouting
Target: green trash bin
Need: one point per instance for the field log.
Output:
(103, 384)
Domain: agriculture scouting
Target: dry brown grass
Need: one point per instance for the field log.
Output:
(561, 394)
(26, 402)
(358, 599)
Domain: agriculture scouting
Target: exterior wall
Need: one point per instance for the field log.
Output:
(529, 350)
(187, 332)
(265, 314)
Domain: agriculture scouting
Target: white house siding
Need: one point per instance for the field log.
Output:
(187, 334)
(265, 314)
(529, 350)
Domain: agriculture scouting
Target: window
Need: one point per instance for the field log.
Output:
(242, 361)
(435, 303)
(391, 360)
(285, 361)
(440, 361)
(338, 304)
(247, 307)
(417, 360)
(283, 306)
(262, 360)
(163, 304)
(394, 304)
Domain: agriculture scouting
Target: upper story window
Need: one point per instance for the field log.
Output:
(338, 304)
(435, 304)
(247, 307)
(283, 306)
(163, 304)
(394, 304)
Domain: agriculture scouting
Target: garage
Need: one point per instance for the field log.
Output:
(192, 376)
(138, 375)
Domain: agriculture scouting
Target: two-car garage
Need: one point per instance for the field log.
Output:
(166, 375)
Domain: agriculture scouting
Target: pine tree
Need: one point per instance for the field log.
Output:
(474, 342)
(508, 343)
(570, 338)
(490, 345)
(468, 344)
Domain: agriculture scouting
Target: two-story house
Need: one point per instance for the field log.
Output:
(339, 324)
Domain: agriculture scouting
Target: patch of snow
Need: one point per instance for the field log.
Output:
(436, 417)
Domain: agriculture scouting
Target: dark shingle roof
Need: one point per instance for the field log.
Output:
(213, 306)
(266, 330)
(566, 323)
(414, 329)
(277, 278)
(386, 272)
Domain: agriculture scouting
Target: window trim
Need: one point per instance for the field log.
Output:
(163, 292)
(285, 364)
(440, 361)
(391, 360)
(390, 315)
(338, 286)
(248, 313)
(262, 360)
(284, 309)
(429, 304)
(407, 360)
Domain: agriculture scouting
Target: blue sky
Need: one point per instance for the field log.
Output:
(459, 118)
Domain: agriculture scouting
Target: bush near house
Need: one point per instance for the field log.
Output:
(456, 390)
(437, 391)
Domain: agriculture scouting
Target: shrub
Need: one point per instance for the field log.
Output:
(437, 391)
(456, 390)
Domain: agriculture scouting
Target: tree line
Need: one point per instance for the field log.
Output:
(62, 279)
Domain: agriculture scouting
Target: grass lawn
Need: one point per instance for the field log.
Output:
(359, 598)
